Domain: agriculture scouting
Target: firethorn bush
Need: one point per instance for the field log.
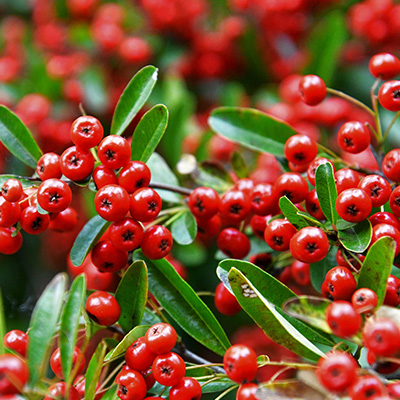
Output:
(271, 212)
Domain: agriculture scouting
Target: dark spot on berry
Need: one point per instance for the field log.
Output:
(397, 201)
(311, 247)
(127, 236)
(124, 389)
(152, 206)
(37, 223)
(230, 366)
(41, 168)
(375, 190)
(378, 338)
(106, 203)
(139, 183)
(331, 288)
(86, 130)
(110, 154)
(164, 244)
(352, 210)
(369, 393)
(257, 200)
(54, 197)
(299, 156)
(166, 370)
(199, 204)
(74, 160)
(93, 317)
(360, 298)
(288, 194)
(348, 142)
(108, 264)
(235, 208)
(278, 240)
(396, 94)
(5, 189)
(334, 372)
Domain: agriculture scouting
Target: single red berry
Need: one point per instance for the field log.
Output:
(258, 224)
(381, 336)
(187, 389)
(161, 338)
(33, 222)
(16, 340)
(336, 371)
(342, 318)
(278, 234)
(309, 245)
(339, 284)
(65, 221)
(57, 391)
(383, 217)
(366, 387)
(48, 166)
(12, 190)
(389, 95)
(240, 363)
(312, 168)
(346, 178)
(386, 230)
(54, 195)
(245, 185)
(138, 356)
(14, 374)
(204, 202)
(86, 132)
(353, 137)
(207, 229)
(103, 308)
(353, 205)
(299, 168)
(301, 273)
(76, 163)
(233, 243)
(235, 205)
(391, 165)
(103, 176)
(9, 213)
(384, 66)
(107, 258)
(112, 202)
(393, 388)
(364, 300)
(392, 296)
(114, 151)
(312, 89)
(168, 369)
(134, 176)
(131, 385)
(145, 204)
(264, 200)
(247, 391)
(300, 149)
(157, 242)
(377, 188)
(77, 357)
(225, 302)
(9, 244)
(394, 201)
(126, 234)
(313, 207)
(292, 185)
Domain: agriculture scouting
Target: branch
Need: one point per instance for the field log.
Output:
(171, 188)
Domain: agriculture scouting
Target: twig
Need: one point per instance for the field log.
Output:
(171, 188)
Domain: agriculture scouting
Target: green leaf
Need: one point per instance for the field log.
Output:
(292, 213)
(184, 228)
(87, 238)
(162, 173)
(42, 328)
(324, 44)
(133, 98)
(111, 393)
(149, 132)
(25, 182)
(3, 328)
(356, 238)
(376, 267)
(326, 191)
(182, 303)
(70, 324)
(16, 137)
(94, 90)
(251, 128)
(268, 318)
(94, 370)
(131, 295)
(213, 175)
(239, 166)
(128, 339)
(216, 386)
(319, 270)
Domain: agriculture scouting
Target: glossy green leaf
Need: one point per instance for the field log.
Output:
(87, 238)
(129, 338)
(131, 295)
(292, 213)
(184, 228)
(42, 328)
(25, 182)
(149, 132)
(133, 98)
(16, 137)
(356, 238)
(376, 267)
(3, 328)
(212, 175)
(70, 323)
(162, 173)
(239, 165)
(182, 303)
(111, 393)
(326, 191)
(215, 386)
(269, 319)
(251, 128)
(319, 270)
(94, 370)
(324, 44)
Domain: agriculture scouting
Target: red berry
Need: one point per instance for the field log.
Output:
(235, 205)
(388, 95)
(131, 385)
(103, 308)
(126, 234)
(33, 222)
(55, 362)
(346, 178)
(383, 217)
(12, 190)
(381, 336)
(54, 195)
(258, 224)
(301, 273)
(114, 151)
(9, 213)
(225, 302)
(168, 369)
(336, 371)
(138, 356)
(112, 202)
(393, 388)
(392, 296)
(245, 185)
(394, 201)
(391, 165)
(312, 89)
(157, 242)
(187, 389)
(386, 230)
(57, 391)
(65, 221)
(16, 340)
(204, 202)
(313, 207)
(86, 132)
(264, 200)
(161, 338)
(145, 204)
(107, 258)
(134, 176)
(300, 149)
(247, 391)
(377, 188)
(278, 234)
(76, 164)
(366, 387)
(48, 166)
(14, 374)
(339, 284)
(312, 168)
(384, 367)
(293, 186)
(9, 244)
(343, 319)
(353, 205)
(103, 176)
(364, 300)
(353, 137)
(309, 245)
(233, 243)
(240, 363)
(384, 66)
